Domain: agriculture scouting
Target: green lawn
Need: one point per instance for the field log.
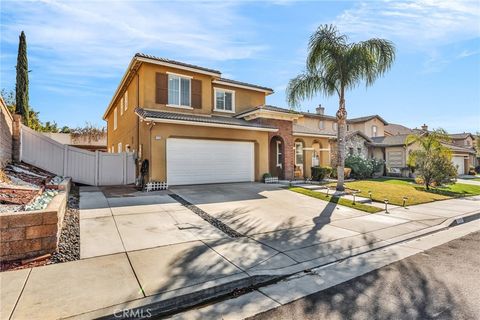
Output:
(341, 201)
(395, 189)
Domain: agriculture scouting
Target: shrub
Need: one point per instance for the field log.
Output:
(346, 173)
(320, 173)
(363, 168)
(477, 169)
(266, 175)
(471, 171)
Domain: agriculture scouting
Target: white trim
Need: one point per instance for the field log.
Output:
(215, 90)
(179, 75)
(312, 135)
(278, 149)
(179, 106)
(204, 124)
(257, 113)
(176, 66)
(189, 106)
(224, 83)
(115, 118)
(295, 154)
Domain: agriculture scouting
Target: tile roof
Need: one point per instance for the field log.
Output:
(458, 148)
(244, 84)
(268, 107)
(366, 118)
(158, 114)
(395, 129)
(142, 55)
(397, 140)
(460, 135)
(297, 128)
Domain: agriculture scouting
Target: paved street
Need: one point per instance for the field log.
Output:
(440, 283)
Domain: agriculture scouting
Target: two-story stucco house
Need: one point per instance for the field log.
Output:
(194, 126)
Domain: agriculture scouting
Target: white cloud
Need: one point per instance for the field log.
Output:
(99, 38)
(420, 24)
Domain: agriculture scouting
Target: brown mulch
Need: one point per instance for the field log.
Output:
(17, 196)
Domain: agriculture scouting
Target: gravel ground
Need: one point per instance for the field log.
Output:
(69, 244)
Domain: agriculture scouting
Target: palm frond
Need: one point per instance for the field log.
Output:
(306, 85)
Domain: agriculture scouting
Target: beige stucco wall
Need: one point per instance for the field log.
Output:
(315, 143)
(314, 124)
(6, 131)
(126, 131)
(244, 98)
(155, 139)
(366, 127)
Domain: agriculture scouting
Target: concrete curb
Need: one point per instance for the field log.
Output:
(162, 308)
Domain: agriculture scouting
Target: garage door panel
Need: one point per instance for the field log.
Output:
(191, 161)
(459, 162)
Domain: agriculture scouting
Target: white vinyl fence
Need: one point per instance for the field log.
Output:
(83, 166)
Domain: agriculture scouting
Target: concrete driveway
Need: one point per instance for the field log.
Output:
(301, 227)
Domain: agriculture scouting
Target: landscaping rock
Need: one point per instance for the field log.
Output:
(69, 243)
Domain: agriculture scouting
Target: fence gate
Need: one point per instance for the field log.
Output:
(83, 166)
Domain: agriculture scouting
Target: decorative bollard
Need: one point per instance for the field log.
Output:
(328, 189)
(404, 201)
(386, 205)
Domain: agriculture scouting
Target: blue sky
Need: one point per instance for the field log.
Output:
(78, 52)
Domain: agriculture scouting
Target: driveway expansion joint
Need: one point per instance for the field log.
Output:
(205, 216)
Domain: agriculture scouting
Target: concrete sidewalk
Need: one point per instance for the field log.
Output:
(148, 249)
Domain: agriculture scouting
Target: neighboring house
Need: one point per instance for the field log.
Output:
(82, 142)
(396, 153)
(393, 129)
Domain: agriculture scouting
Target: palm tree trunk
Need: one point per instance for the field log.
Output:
(341, 132)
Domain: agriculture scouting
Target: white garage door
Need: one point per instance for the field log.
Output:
(191, 161)
(460, 162)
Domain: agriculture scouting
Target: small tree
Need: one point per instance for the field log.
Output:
(432, 161)
(21, 88)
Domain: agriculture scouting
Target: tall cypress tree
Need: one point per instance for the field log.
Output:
(21, 87)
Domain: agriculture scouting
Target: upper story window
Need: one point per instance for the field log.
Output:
(125, 98)
(224, 100)
(115, 116)
(121, 106)
(178, 91)
(334, 126)
(468, 143)
(374, 131)
(321, 124)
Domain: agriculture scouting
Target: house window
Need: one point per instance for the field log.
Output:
(298, 153)
(321, 125)
(350, 151)
(119, 147)
(468, 143)
(178, 91)
(224, 100)
(112, 149)
(127, 148)
(121, 106)
(359, 151)
(115, 116)
(374, 131)
(125, 97)
(334, 126)
(279, 154)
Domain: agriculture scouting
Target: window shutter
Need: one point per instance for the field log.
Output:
(196, 94)
(161, 88)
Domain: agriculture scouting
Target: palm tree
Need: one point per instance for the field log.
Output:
(335, 66)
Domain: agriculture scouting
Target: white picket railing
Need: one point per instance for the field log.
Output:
(83, 166)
